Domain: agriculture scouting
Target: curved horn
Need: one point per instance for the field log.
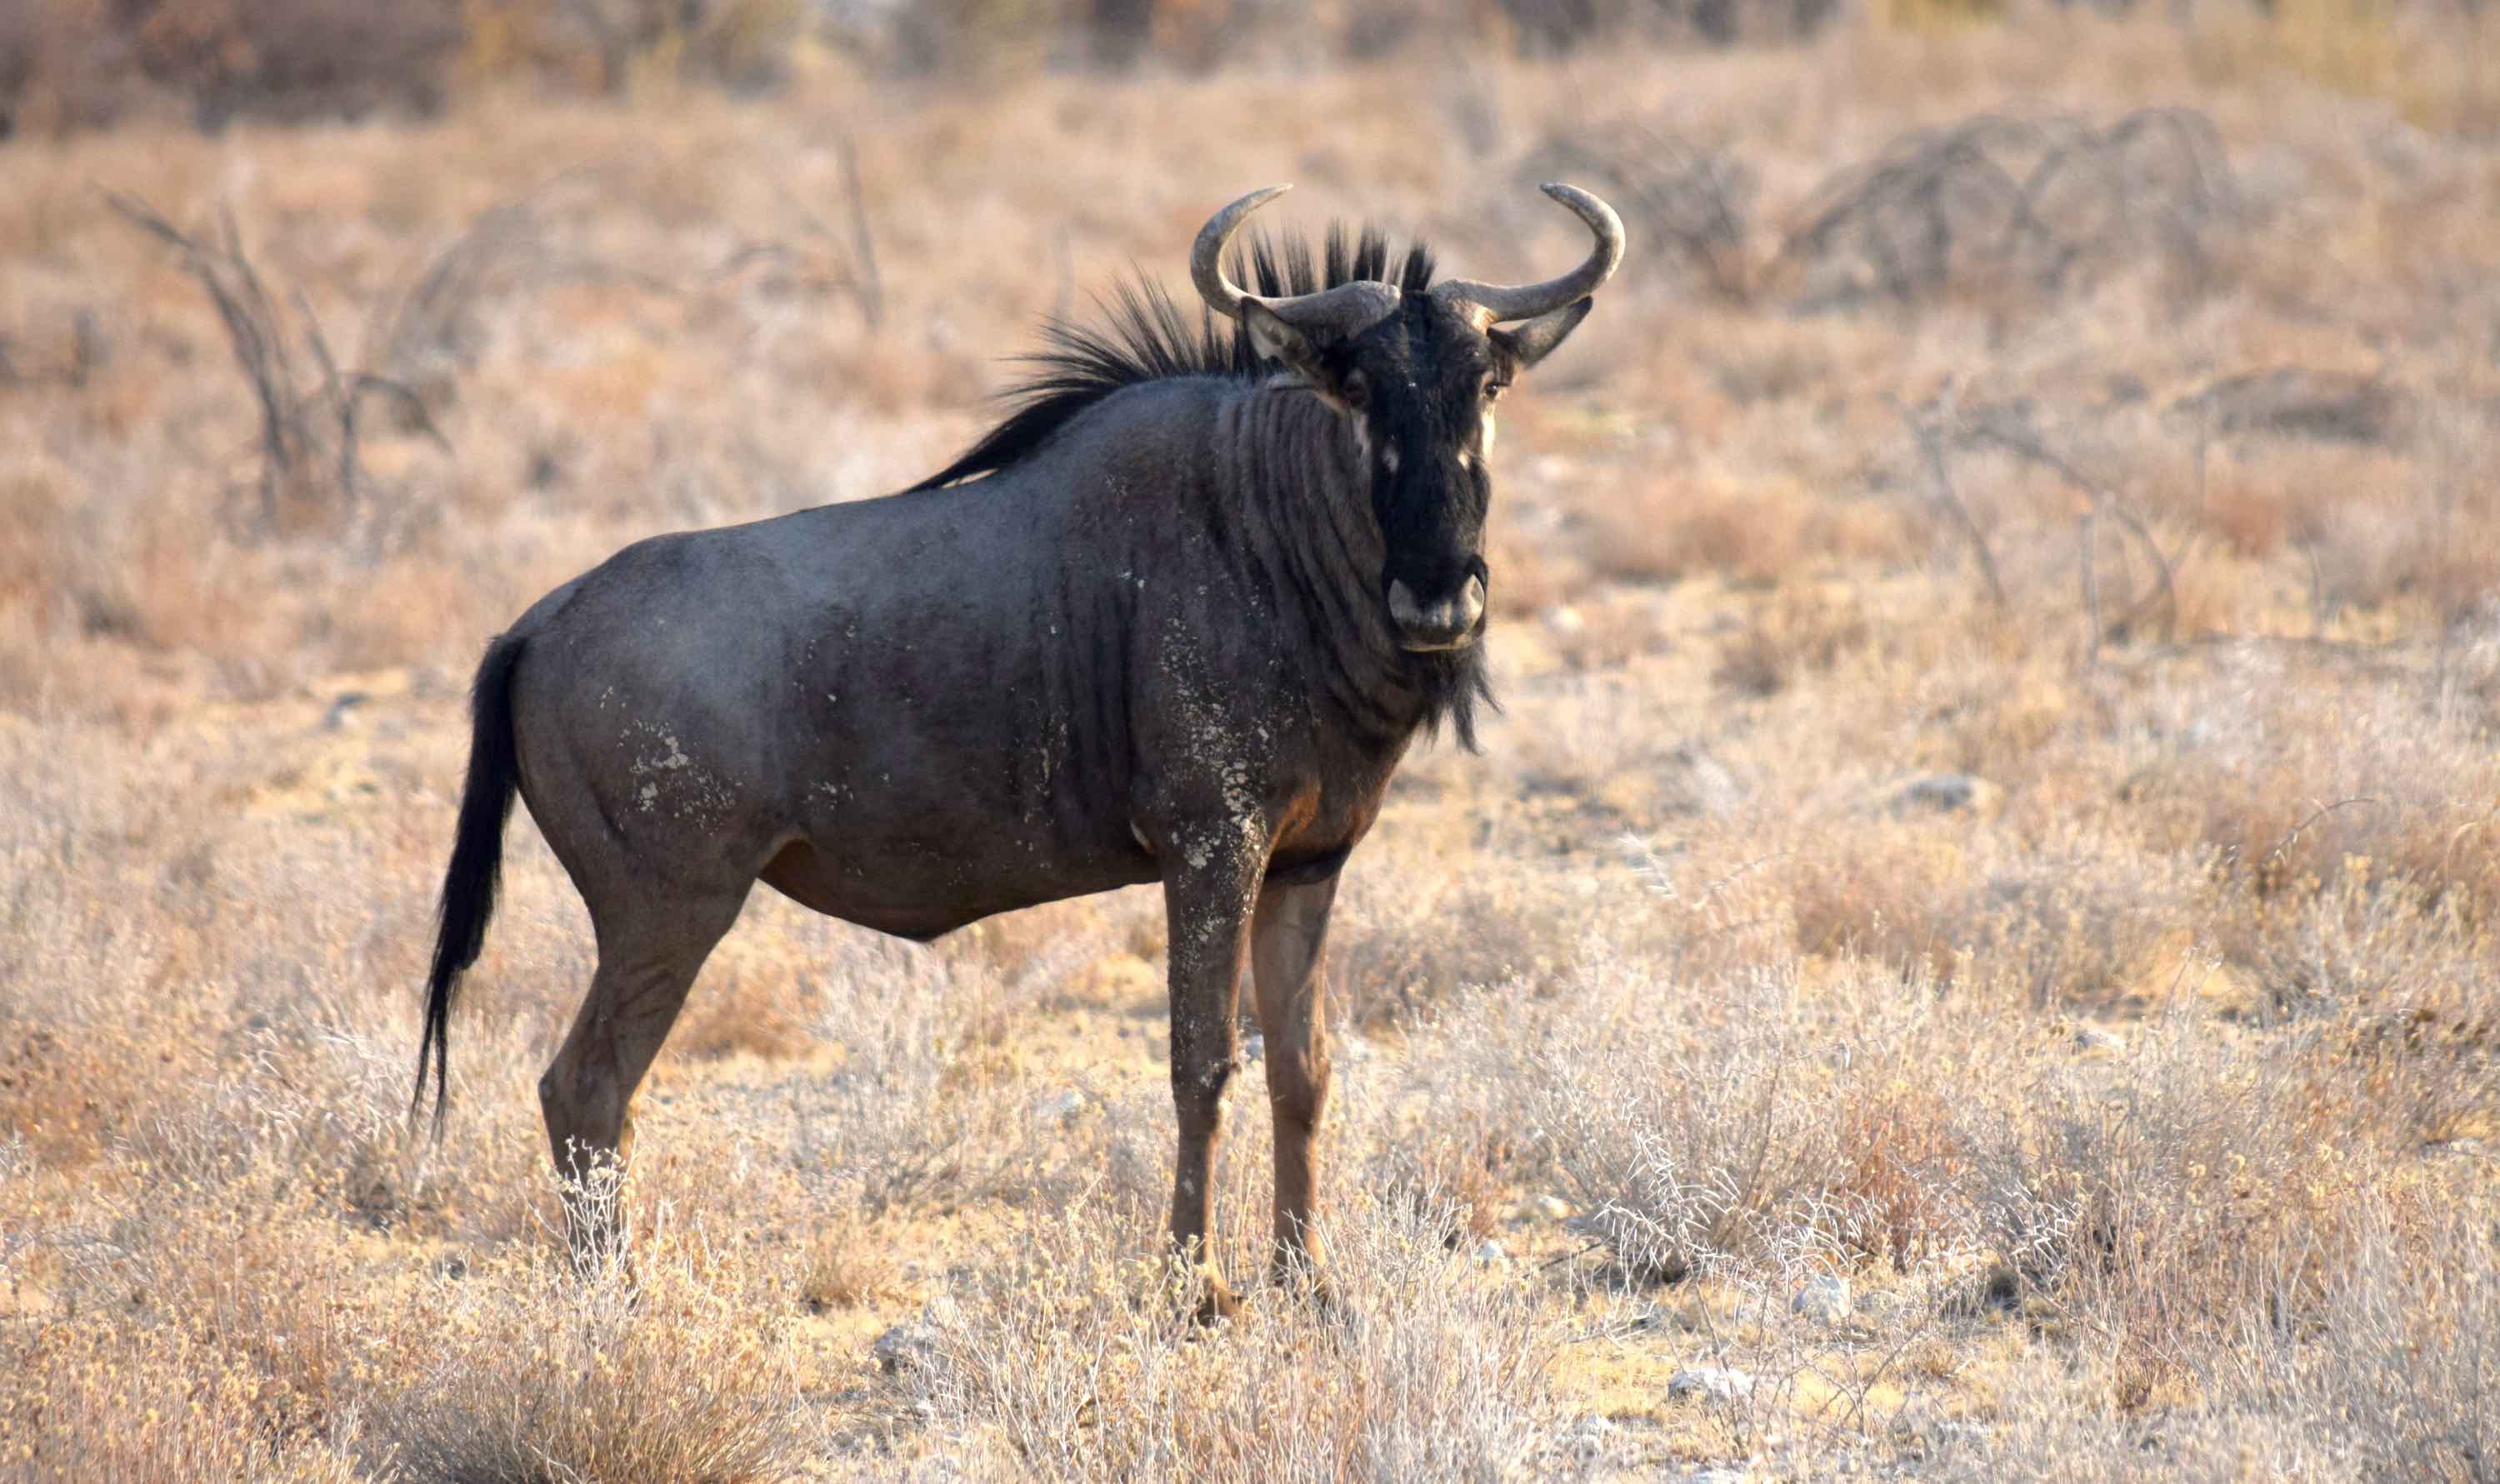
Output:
(1526, 300)
(1348, 306)
(1206, 256)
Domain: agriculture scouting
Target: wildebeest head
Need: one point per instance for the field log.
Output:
(1416, 375)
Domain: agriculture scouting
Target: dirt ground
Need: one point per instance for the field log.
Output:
(1968, 952)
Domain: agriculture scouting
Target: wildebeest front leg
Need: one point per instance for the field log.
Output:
(1209, 883)
(1288, 948)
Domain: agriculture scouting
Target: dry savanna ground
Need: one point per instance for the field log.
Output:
(1969, 954)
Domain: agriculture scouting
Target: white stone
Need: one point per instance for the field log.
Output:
(1586, 1438)
(1489, 1252)
(904, 1347)
(1716, 1382)
(2093, 1040)
(1059, 1108)
(1824, 1299)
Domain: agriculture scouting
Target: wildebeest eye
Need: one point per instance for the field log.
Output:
(1356, 391)
(1492, 389)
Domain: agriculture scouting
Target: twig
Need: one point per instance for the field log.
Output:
(2026, 444)
(870, 288)
(2293, 835)
(1931, 448)
(2091, 575)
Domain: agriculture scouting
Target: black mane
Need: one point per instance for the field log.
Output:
(1149, 339)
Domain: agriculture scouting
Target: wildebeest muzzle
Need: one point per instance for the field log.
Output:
(1451, 622)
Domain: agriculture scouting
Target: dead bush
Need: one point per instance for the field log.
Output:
(1995, 203)
(538, 1375)
(2157, 1211)
(1071, 1357)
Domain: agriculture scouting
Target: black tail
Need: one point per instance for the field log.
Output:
(477, 861)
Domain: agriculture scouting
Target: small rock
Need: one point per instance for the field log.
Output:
(1253, 1046)
(1490, 1254)
(904, 1347)
(1564, 619)
(1718, 1475)
(1945, 793)
(1059, 1108)
(1644, 1317)
(1586, 1439)
(2093, 1040)
(1553, 1207)
(1716, 1382)
(1698, 784)
(1824, 1299)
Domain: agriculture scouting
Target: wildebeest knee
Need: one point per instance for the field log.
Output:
(580, 1105)
(1198, 1090)
(1297, 1085)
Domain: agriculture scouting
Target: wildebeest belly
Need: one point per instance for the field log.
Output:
(924, 889)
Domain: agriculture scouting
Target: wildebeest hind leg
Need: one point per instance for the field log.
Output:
(1288, 955)
(649, 955)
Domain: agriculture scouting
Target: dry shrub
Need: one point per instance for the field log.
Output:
(1792, 636)
(1402, 940)
(1996, 205)
(2409, 1368)
(1681, 1143)
(242, 1272)
(85, 1400)
(926, 1099)
(851, 1261)
(2389, 1376)
(1905, 1172)
(2077, 918)
(1071, 1357)
(537, 1374)
(1455, 1178)
(2158, 1210)
(1750, 530)
(2325, 766)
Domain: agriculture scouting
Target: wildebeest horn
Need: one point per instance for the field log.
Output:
(1348, 307)
(1526, 300)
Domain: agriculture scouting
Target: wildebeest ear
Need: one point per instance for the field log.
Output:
(1536, 340)
(1282, 341)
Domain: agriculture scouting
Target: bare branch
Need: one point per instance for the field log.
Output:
(1931, 448)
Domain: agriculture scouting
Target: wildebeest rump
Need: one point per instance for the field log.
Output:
(1176, 618)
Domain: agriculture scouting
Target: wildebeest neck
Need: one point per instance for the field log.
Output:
(1298, 487)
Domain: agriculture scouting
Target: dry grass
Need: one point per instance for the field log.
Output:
(2101, 972)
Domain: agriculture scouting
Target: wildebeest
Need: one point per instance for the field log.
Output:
(1175, 619)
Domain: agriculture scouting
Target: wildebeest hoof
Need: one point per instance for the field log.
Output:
(1216, 1302)
(1309, 1284)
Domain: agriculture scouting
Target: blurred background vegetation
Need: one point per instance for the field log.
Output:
(70, 65)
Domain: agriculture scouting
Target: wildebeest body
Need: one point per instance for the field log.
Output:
(1176, 620)
(915, 711)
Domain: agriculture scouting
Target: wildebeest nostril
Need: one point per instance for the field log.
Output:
(1441, 625)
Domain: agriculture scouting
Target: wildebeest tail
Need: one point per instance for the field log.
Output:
(477, 861)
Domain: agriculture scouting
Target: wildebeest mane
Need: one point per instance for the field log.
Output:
(1146, 337)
